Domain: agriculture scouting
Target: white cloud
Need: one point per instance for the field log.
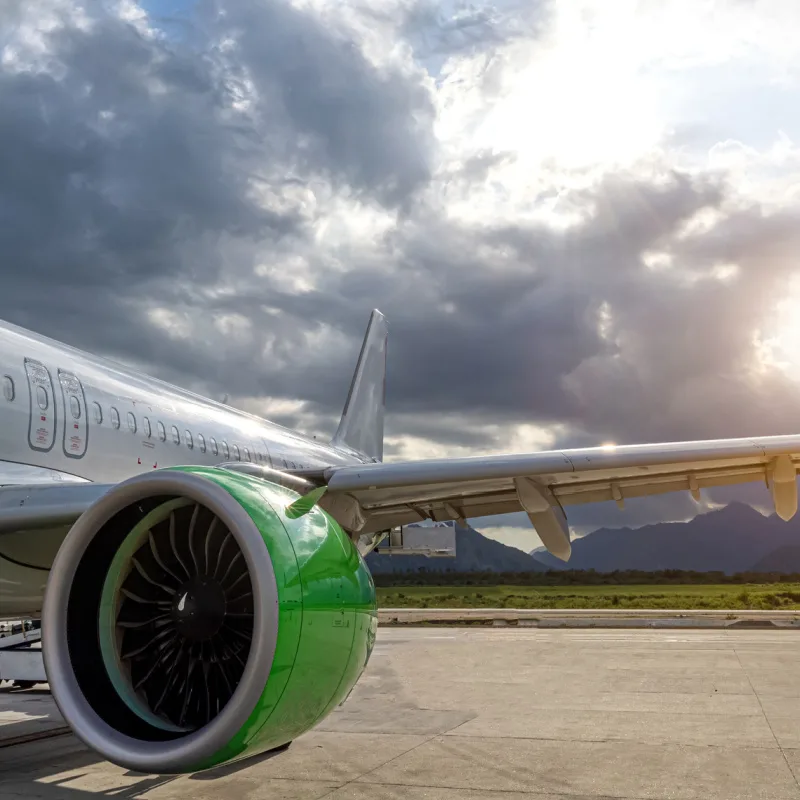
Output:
(524, 539)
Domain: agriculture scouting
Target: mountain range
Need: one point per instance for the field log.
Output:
(783, 559)
(736, 538)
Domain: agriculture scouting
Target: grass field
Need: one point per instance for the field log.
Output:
(771, 596)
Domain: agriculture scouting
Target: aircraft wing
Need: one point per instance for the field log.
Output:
(39, 497)
(385, 495)
(31, 507)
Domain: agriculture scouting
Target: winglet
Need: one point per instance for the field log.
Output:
(361, 426)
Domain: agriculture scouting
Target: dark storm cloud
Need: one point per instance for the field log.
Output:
(135, 162)
(490, 319)
(369, 126)
(685, 365)
(143, 173)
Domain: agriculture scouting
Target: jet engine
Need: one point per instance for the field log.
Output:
(189, 620)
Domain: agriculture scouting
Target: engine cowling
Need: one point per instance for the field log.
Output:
(188, 621)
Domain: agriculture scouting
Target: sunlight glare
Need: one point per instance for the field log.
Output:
(778, 342)
(582, 101)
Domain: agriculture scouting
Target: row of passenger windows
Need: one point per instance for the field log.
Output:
(188, 439)
(42, 400)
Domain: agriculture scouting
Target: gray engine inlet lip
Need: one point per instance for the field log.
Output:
(185, 753)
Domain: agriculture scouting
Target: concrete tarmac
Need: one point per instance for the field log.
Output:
(512, 713)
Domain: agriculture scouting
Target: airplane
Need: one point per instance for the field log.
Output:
(199, 572)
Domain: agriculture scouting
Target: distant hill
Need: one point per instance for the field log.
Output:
(783, 559)
(730, 540)
(474, 553)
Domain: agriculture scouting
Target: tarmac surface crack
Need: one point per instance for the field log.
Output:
(766, 718)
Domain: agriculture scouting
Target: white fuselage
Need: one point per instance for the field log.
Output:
(78, 417)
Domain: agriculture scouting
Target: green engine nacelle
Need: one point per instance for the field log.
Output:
(189, 620)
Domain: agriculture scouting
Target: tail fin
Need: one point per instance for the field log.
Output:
(361, 426)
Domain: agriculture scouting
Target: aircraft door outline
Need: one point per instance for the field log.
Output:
(43, 417)
(76, 420)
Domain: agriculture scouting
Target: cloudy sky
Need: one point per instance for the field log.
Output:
(581, 218)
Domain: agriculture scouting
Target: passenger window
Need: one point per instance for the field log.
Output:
(246, 454)
(41, 397)
(162, 432)
(176, 437)
(201, 442)
(188, 437)
(146, 425)
(225, 452)
(131, 422)
(114, 418)
(214, 448)
(75, 407)
(8, 388)
(236, 453)
(98, 413)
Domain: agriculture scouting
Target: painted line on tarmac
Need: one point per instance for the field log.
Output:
(588, 618)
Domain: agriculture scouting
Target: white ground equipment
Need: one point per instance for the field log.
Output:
(436, 541)
(21, 653)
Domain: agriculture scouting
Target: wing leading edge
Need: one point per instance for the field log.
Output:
(38, 506)
(542, 484)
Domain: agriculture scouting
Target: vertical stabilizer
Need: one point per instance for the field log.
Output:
(361, 426)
